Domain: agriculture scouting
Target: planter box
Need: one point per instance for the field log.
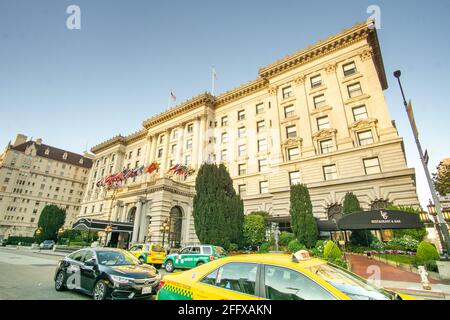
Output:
(444, 269)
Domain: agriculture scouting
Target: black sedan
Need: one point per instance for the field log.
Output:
(106, 273)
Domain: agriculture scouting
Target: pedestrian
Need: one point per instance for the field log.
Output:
(168, 248)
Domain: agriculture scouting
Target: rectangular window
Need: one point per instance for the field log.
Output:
(241, 132)
(293, 153)
(354, 90)
(160, 153)
(189, 144)
(242, 169)
(224, 137)
(330, 172)
(223, 155)
(187, 159)
(287, 92)
(316, 81)
(349, 69)
(175, 134)
(262, 145)
(323, 123)
(289, 111)
(242, 189)
(264, 187)
(224, 121)
(262, 165)
(259, 108)
(190, 128)
(365, 137)
(173, 150)
(260, 126)
(139, 152)
(372, 166)
(294, 177)
(161, 139)
(359, 113)
(326, 146)
(242, 150)
(291, 131)
(319, 101)
(241, 115)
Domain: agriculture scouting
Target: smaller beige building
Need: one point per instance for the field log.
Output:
(33, 175)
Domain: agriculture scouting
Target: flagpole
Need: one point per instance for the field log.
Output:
(168, 102)
(213, 80)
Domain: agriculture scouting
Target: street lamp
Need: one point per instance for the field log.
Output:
(38, 231)
(165, 227)
(108, 230)
(439, 217)
(60, 232)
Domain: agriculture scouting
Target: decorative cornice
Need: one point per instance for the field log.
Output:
(324, 133)
(363, 124)
(272, 90)
(242, 91)
(119, 139)
(292, 142)
(299, 80)
(331, 68)
(366, 54)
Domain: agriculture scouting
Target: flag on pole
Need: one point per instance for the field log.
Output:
(426, 158)
(214, 78)
(411, 119)
(172, 96)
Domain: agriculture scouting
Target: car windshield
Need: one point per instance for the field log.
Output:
(353, 286)
(48, 241)
(157, 248)
(116, 258)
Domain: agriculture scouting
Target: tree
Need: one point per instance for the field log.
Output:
(254, 230)
(442, 179)
(358, 237)
(51, 219)
(303, 222)
(218, 211)
(417, 234)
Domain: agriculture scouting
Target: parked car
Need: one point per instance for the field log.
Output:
(192, 256)
(271, 276)
(4, 242)
(47, 244)
(149, 253)
(106, 273)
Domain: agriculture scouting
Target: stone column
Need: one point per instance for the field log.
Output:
(195, 143)
(115, 214)
(137, 220)
(165, 153)
(148, 148)
(143, 224)
(202, 145)
(180, 145)
(123, 215)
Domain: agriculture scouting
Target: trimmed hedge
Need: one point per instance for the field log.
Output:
(264, 248)
(426, 252)
(25, 241)
(295, 246)
(331, 251)
(285, 238)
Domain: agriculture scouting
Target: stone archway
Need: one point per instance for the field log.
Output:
(176, 226)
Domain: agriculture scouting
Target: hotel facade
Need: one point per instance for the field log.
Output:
(317, 117)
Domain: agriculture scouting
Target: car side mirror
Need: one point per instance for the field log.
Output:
(91, 262)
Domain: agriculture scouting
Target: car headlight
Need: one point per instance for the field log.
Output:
(120, 280)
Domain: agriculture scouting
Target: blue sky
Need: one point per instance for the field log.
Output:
(78, 87)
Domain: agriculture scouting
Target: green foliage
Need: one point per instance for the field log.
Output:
(376, 244)
(340, 262)
(24, 241)
(51, 219)
(331, 251)
(295, 246)
(361, 238)
(351, 203)
(405, 243)
(218, 211)
(233, 247)
(254, 230)
(418, 234)
(442, 179)
(303, 222)
(264, 248)
(285, 238)
(426, 252)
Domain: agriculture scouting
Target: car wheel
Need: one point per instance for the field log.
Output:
(200, 263)
(59, 282)
(100, 290)
(169, 266)
(157, 266)
(142, 260)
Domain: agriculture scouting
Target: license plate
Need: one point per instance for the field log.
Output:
(146, 290)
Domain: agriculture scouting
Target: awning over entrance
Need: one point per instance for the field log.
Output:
(372, 220)
(100, 225)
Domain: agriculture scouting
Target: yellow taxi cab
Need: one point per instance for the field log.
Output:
(149, 253)
(271, 276)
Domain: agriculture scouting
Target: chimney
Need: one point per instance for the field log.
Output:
(20, 139)
(39, 141)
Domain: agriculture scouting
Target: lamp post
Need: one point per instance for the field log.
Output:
(440, 218)
(60, 232)
(165, 227)
(108, 230)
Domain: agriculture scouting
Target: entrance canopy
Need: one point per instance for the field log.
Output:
(372, 220)
(100, 225)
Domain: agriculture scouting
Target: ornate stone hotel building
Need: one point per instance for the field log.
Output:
(318, 117)
(33, 175)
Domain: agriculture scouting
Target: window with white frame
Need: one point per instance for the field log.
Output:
(330, 172)
(262, 165)
(242, 189)
(188, 144)
(316, 81)
(291, 131)
(187, 159)
(293, 153)
(173, 149)
(242, 150)
(354, 90)
(190, 128)
(224, 121)
(323, 123)
(326, 146)
(365, 137)
(287, 92)
(262, 145)
(264, 187)
(242, 169)
(359, 113)
(224, 137)
(241, 132)
(223, 155)
(260, 126)
(372, 165)
(349, 69)
(289, 111)
(319, 101)
(294, 178)
(259, 108)
(241, 115)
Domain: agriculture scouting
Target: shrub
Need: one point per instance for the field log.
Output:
(25, 241)
(264, 248)
(376, 244)
(233, 247)
(406, 243)
(331, 251)
(295, 245)
(254, 230)
(285, 238)
(426, 252)
(318, 249)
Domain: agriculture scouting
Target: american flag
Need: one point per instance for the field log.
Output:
(174, 98)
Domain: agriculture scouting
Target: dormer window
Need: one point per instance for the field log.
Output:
(81, 161)
(65, 156)
(47, 151)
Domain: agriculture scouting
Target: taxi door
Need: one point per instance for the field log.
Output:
(136, 250)
(193, 257)
(180, 258)
(232, 281)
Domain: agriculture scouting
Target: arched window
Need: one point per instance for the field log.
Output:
(334, 211)
(379, 204)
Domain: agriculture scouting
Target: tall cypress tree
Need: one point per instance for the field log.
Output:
(303, 222)
(218, 210)
(358, 237)
(51, 219)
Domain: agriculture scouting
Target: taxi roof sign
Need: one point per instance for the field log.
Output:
(301, 255)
